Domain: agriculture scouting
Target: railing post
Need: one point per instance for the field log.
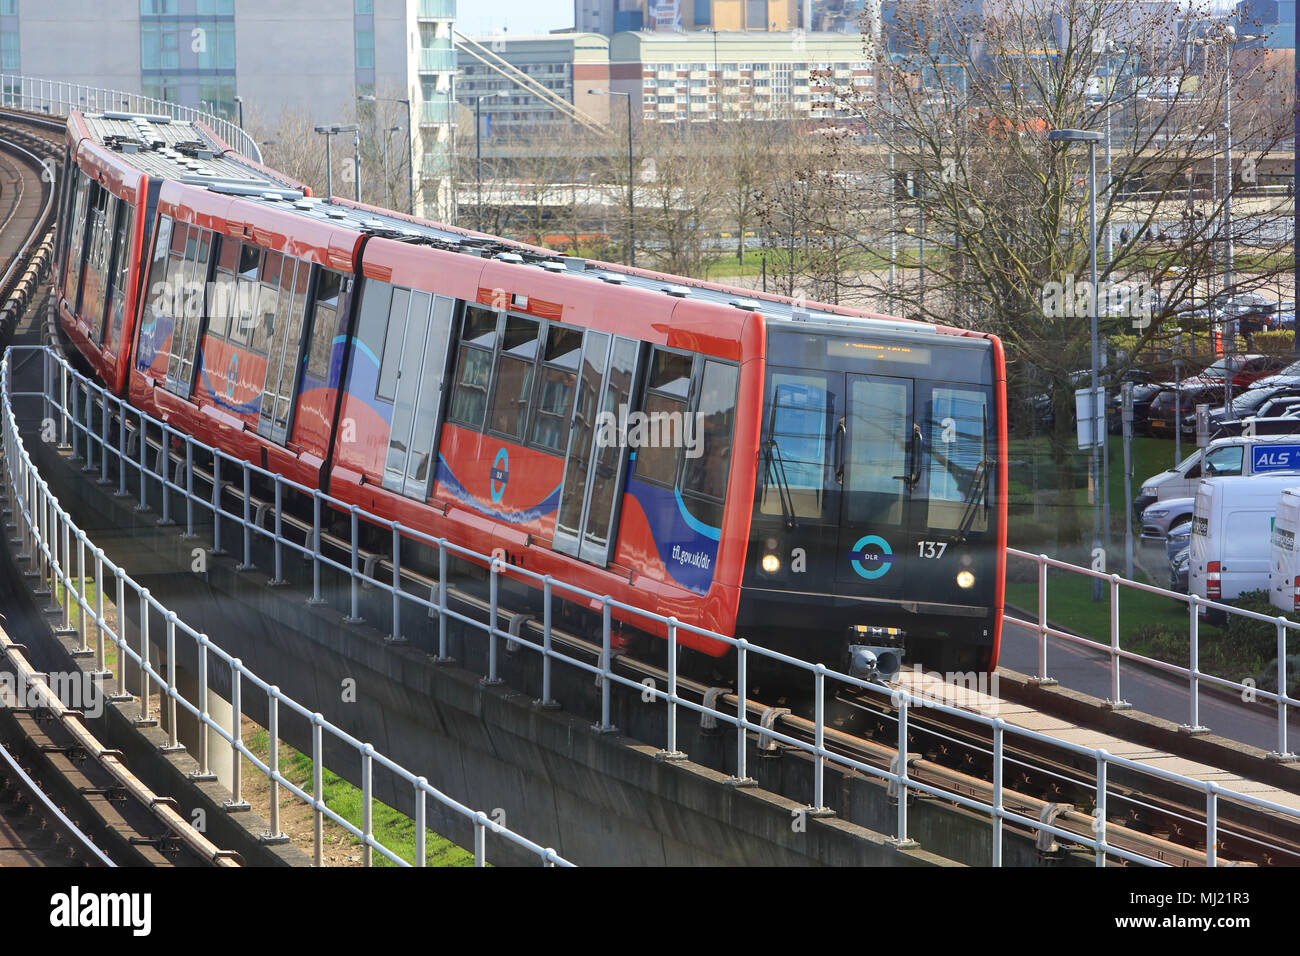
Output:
(1194, 666)
(1042, 621)
(144, 658)
(64, 563)
(173, 732)
(278, 579)
(142, 437)
(216, 504)
(237, 801)
(480, 839)
(819, 729)
(999, 735)
(367, 799)
(121, 451)
(442, 601)
(742, 713)
(104, 419)
(74, 424)
(606, 726)
(1282, 750)
(81, 592)
(247, 564)
(901, 780)
(354, 615)
(546, 700)
(203, 772)
(318, 788)
(420, 822)
(273, 759)
(189, 488)
(1211, 824)
(670, 752)
(1116, 701)
(99, 610)
(315, 549)
(396, 635)
(493, 593)
(164, 476)
(1099, 813)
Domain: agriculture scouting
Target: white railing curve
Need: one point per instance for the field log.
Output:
(70, 402)
(56, 97)
(64, 558)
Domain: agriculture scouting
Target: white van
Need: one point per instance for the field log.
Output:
(1232, 529)
(1236, 455)
(1284, 559)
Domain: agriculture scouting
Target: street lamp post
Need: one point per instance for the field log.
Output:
(239, 101)
(478, 154)
(410, 164)
(388, 192)
(1091, 137)
(631, 201)
(328, 132)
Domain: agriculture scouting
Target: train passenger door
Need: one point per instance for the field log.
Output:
(586, 525)
(876, 444)
(412, 372)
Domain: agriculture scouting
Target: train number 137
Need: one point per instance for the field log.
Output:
(931, 549)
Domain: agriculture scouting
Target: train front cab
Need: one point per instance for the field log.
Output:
(879, 513)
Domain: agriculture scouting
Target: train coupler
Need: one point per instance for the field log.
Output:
(875, 653)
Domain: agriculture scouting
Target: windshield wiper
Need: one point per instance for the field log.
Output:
(974, 498)
(775, 470)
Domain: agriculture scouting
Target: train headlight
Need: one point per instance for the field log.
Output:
(965, 579)
(771, 563)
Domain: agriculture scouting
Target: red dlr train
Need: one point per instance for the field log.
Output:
(799, 475)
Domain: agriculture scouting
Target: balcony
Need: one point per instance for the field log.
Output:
(437, 10)
(437, 61)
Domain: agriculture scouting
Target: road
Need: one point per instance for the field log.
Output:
(1087, 671)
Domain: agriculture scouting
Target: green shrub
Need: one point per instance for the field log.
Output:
(1280, 341)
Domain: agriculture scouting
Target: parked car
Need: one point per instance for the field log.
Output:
(1273, 425)
(1284, 559)
(1248, 403)
(1235, 455)
(1178, 566)
(1177, 409)
(1231, 532)
(1178, 539)
(1159, 517)
(1143, 395)
(1289, 375)
(1245, 369)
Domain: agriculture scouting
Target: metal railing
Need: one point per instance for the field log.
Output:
(57, 98)
(1193, 674)
(67, 561)
(71, 400)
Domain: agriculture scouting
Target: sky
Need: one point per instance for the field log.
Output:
(480, 17)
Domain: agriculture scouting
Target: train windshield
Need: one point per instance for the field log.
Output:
(876, 451)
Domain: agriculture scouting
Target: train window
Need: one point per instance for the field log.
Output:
(558, 377)
(376, 297)
(223, 307)
(390, 363)
(665, 405)
(801, 404)
(324, 324)
(185, 337)
(72, 279)
(156, 292)
(480, 327)
(878, 452)
(709, 431)
(424, 434)
(284, 347)
(514, 379)
(248, 292)
(267, 303)
(469, 400)
(122, 262)
(607, 472)
(657, 459)
(956, 437)
(563, 346)
(90, 297)
(670, 373)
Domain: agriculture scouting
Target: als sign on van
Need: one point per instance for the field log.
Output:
(1269, 457)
